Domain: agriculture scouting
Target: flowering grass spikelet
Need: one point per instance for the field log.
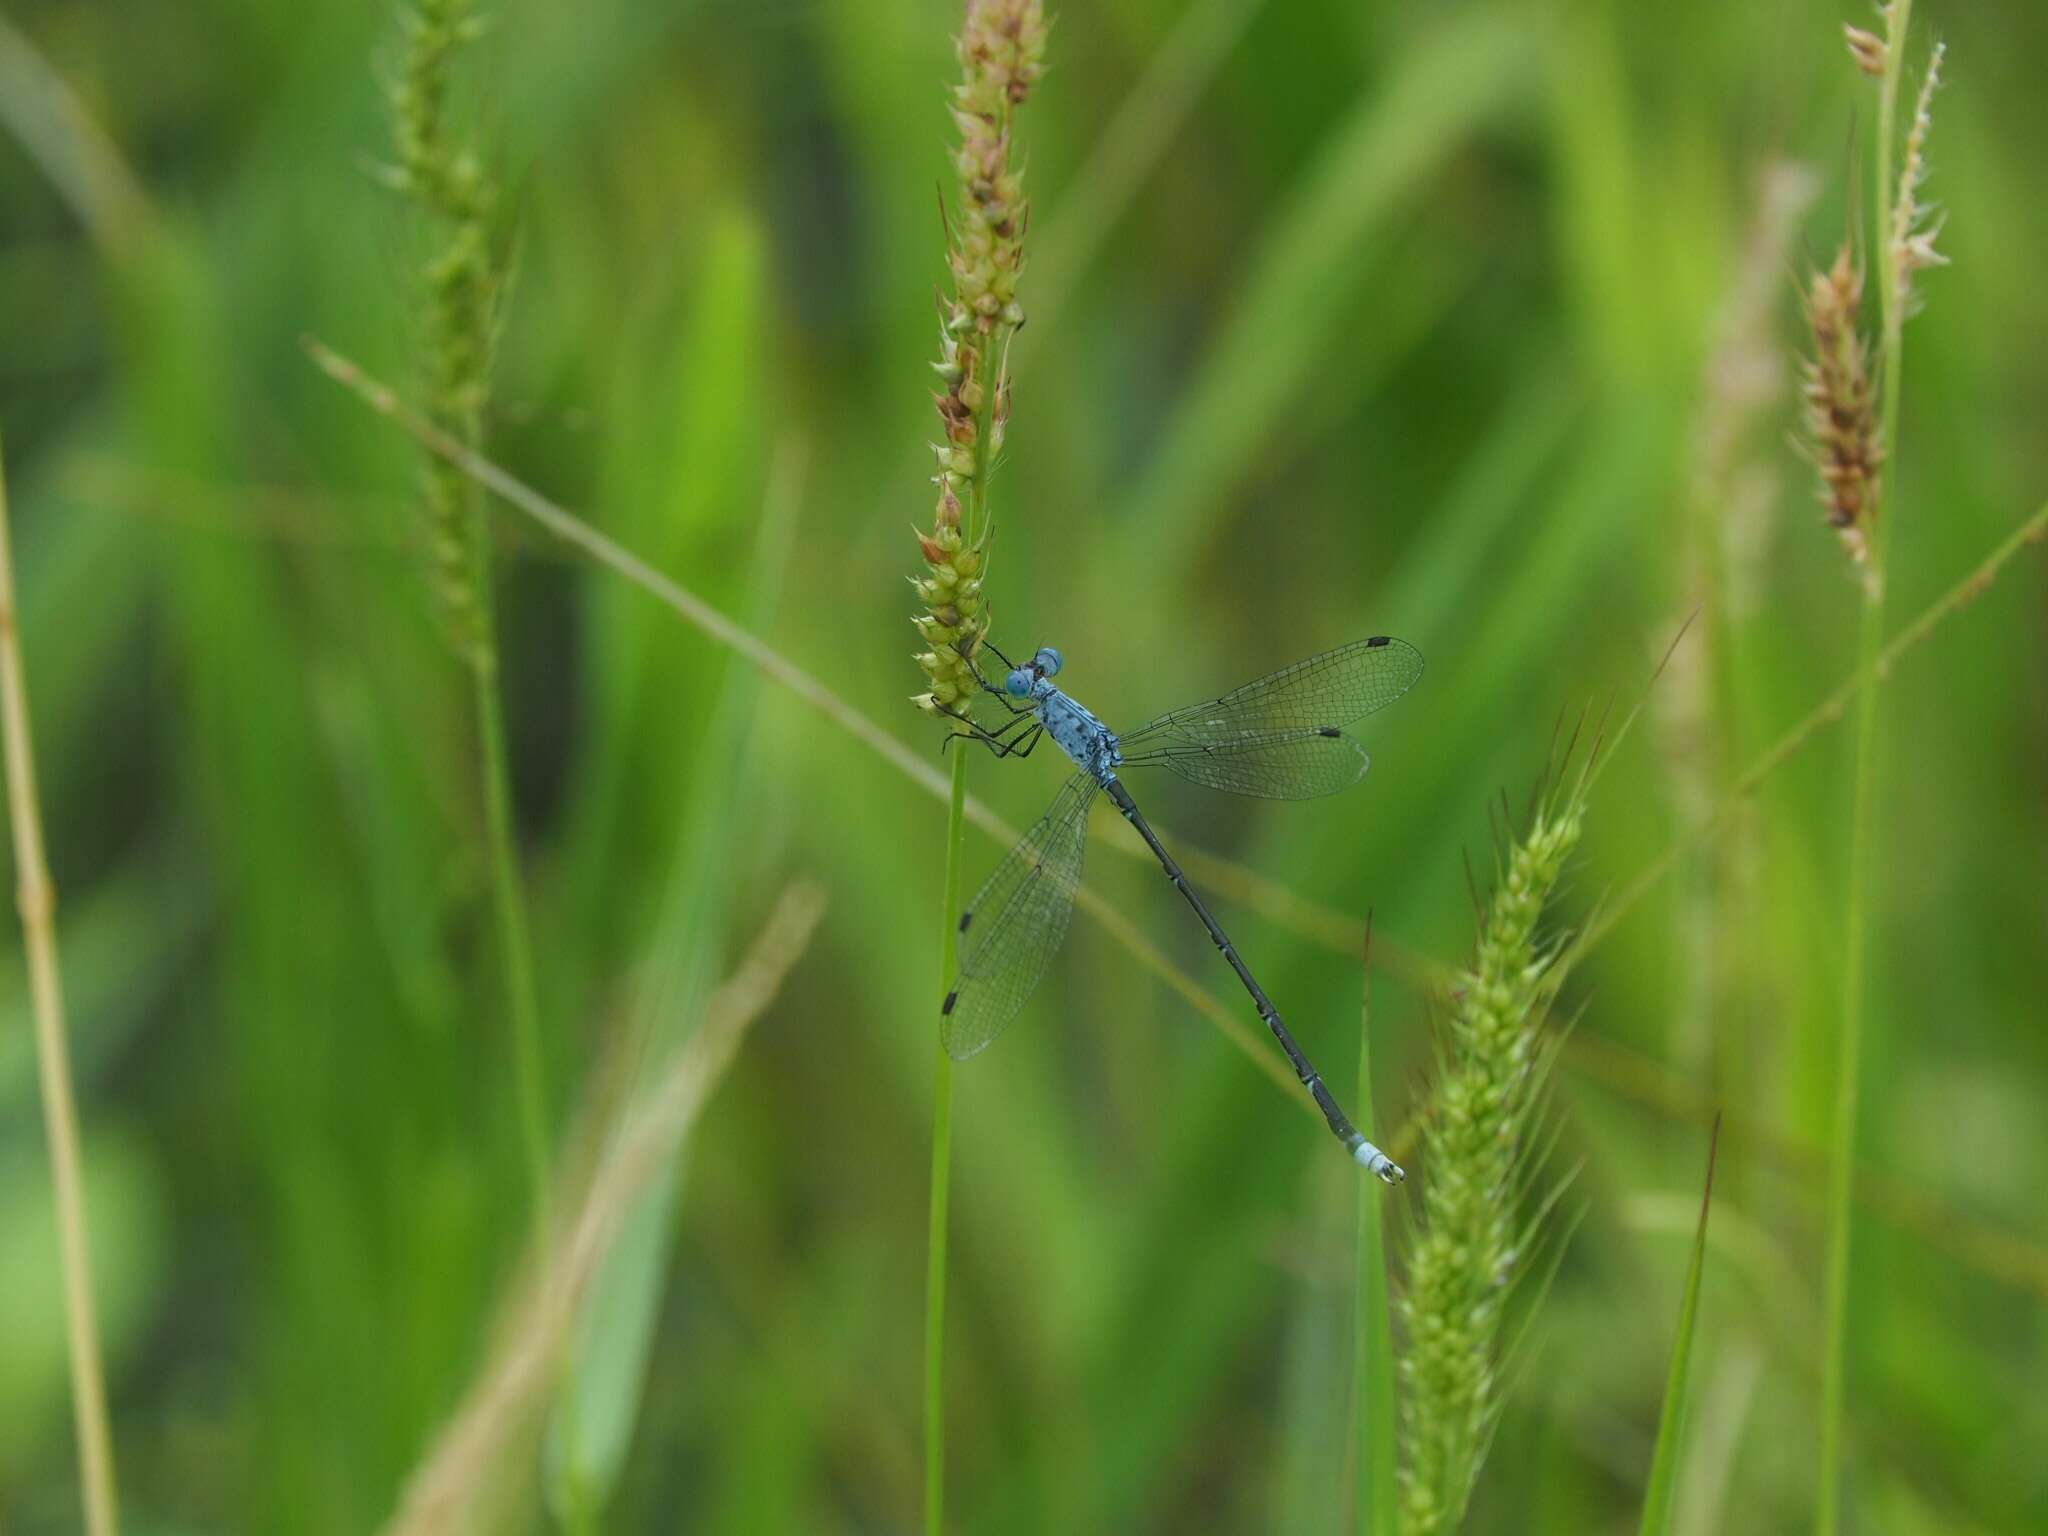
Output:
(1916, 226)
(1001, 49)
(1473, 1242)
(1866, 48)
(464, 281)
(1841, 419)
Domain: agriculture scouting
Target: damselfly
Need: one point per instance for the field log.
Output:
(1281, 738)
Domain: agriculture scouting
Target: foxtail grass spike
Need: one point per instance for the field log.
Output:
(463, 282)
(1488, 1104)
(1002, 50)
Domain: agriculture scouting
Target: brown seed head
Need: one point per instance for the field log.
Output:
(1867, 49)
(1841, 419)
(1001, 50)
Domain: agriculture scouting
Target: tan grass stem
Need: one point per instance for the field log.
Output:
(37, 896)
(53, 127)
(472, 1459)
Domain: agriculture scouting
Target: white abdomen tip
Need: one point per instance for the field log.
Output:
(1377, 1162)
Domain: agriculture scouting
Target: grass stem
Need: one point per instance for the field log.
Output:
(942, 1174)
(1661, 1495)
(38, 900)
(515, 945)
(1862, 835)
(463, 282)
(1377, 1496)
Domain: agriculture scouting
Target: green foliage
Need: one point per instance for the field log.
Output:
(1382, 335)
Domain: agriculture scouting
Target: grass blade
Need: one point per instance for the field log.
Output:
(1663, 1489)
(467, 1470)
(1378, 1498)
(600, 1405)
(1393, 145)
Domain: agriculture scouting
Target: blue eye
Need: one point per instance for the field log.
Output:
(1047, 661)
(1018, 683)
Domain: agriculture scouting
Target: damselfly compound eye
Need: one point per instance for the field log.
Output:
(1018, 683)
(1047, 661)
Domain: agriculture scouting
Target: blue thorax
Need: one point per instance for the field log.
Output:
(1083, 737)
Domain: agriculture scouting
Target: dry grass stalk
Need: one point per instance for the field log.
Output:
(37, 896)
(1744, 381)
(471, 1461)
(1732, 497)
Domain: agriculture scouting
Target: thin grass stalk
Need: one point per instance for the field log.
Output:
(508, 902)
(1862, 815)
(1376, 1491)
(464, 279)
(75, 154)
(942, 1173)
(1661, 1494)
(37, 897)
(1001, 50)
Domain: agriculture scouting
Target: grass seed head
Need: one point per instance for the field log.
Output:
(463, 283)
(1473, 1239)
(1002, 51)
(1916, 225)
(1867, 49)
(1841, 418)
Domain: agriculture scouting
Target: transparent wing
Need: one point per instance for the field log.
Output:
(1282, 765)
(1281, 737)
(1016, 922)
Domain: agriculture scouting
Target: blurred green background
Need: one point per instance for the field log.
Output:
(1344, 319)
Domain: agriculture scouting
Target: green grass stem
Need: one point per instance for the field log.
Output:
(515, 945)
(1860, 896)
(942, 1173)
(1377, 1493)
(1660, 1497)
(458, 318)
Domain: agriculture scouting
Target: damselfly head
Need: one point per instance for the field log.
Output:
(1047, 661)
